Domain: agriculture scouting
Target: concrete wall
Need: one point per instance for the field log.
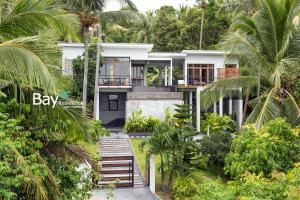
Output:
(156, 108)
(107, 116)
(152, 103)
(219, 61)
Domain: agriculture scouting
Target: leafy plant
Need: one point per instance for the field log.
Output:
(139, 123)
(184, 188)
(216, 123)
(274, 147)
(182, 114)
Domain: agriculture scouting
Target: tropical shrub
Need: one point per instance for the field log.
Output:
(216, 123)
(217, 144)
(274, 147)
(215, 190)
(182, 114)
(251, 186)
(277, 187)
(36, 157)
(184, 188)
(139, 123)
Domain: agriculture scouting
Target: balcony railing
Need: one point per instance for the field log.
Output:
(228, 72)
(199, 81)
(114, 81)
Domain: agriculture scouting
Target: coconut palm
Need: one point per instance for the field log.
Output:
(26, 58)
(234, 7)
(158, 145)
(202, 6)
(30, 61)
(144, 28)
(268, 42)
(109, 17)
(90, 13)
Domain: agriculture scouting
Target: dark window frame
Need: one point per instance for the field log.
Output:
(111, 101)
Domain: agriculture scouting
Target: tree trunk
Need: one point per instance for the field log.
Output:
(98, 57)
(86, 66)
(258, 85)
(246, 105)
(201, 30)
(162, 173)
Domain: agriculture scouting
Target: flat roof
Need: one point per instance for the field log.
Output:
(113, 45)
(166, 55)
(149, 47)
(204, 52)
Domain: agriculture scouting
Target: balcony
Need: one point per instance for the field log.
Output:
(228, 72)
(199, 81)
(114, 81)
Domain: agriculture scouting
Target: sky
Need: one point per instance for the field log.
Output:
(145, 5)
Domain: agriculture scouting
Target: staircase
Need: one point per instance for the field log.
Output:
(119, 166)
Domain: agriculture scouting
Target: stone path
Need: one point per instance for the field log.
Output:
(118, 144)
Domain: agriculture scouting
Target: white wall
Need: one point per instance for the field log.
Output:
(219, 61)
(156, 108)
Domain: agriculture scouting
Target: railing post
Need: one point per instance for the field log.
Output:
(132, 166)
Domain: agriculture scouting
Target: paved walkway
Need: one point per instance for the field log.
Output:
(141, 193)
(119, 144)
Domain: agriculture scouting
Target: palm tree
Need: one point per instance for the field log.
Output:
(144, 28)
(29, 62)
(235, 7)
(202, 5)
(90, 13)
(158, 144)
(268, 42)
(109, 17)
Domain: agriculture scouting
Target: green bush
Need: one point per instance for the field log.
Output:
(184, 188)
(217, 123)
(274, 147)
(217, 144)
(139, 123)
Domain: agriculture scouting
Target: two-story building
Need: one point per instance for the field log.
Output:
(124, 76)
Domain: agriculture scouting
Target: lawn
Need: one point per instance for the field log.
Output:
(199, 176)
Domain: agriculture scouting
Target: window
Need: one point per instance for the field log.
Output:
(199, 74)
(115, 71)
(113, 102)
(68, 67)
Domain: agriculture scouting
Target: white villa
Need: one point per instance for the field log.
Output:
(123, 80)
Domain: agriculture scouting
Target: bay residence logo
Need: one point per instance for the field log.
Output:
(62, 99)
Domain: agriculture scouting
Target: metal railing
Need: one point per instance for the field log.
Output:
(228, 72)
(114, 80)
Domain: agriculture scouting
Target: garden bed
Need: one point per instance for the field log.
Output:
(140, 134)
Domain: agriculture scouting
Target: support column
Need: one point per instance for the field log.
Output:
(198, 110)
(185, 73)
(230, 105)
(145, 75)
(98, 105)
(171, 73)
(221, 105)
(215, 107)
(152, 174)
(166, 75)
(240, 114)
(191, 102)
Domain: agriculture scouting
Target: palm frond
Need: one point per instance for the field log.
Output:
(266, 110)
(23, 66)
(30, 17)
(225, 88)
(292, 110)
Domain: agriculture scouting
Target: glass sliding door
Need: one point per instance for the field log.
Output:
(200, 74)
(115, 72)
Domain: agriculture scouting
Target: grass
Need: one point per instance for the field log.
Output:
(200, 176)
